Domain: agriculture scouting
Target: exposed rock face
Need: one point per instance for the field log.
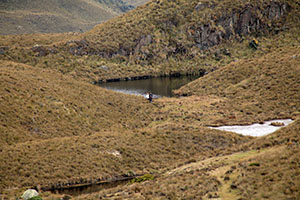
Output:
(240, 23)
(3, 50)
(236, 24)
(43, 51)
(141, 48)
(117, 5)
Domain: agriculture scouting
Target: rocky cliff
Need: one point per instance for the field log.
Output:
(183, 31)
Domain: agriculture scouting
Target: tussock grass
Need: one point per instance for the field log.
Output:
(254, 89)
(56, 131)
(39, 103)
(241, 175)
(169, 25)
(21, 17)
(276, 175)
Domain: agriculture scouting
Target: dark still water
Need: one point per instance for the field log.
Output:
(159, 87)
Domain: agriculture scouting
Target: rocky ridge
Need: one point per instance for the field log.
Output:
(250, 19)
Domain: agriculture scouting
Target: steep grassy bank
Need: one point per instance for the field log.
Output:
(254, 89)
(38, 104)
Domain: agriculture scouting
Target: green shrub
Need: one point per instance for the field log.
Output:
(36, 198)
(143, 178)
(254, 164)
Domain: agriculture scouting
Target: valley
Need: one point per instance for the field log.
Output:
(58, 128)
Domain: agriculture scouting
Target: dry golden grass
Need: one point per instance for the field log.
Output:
(271, 173)
(254, 89)
(270, 176)
(38, 103)
(52, 16)
(56, 130)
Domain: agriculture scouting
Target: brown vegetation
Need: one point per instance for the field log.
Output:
(23, 17)
(160, 38)
(258, 89)
(58, 129)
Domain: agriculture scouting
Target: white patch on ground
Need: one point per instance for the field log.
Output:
(255, 130)
(114, 153)
(136, 92)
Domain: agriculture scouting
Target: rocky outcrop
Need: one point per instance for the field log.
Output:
(43, 51)
(142, 49)
(78, 47)
(250, 20)
(117, 5)
(3, 50)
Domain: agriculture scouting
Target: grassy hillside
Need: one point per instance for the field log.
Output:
(39, 104)
(19, 17)
(163, 38)
(61, 131)
(259, 88)
(58, 129)
(268, 173)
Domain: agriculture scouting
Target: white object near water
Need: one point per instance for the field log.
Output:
(29, 194)
(256, 129)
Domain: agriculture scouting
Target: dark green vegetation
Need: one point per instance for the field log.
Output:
(58, 129)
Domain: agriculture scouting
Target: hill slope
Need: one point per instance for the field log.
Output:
(163, 38)
(57, 130)
(19, 17)
(161, 30)
(38, 104)
(48, 120)
(256, 88)
(267, 173)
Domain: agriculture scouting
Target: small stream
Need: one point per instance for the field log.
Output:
(88, 189)
(159, 87)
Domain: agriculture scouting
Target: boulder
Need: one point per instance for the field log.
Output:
(40, 50)
(30, 193)
(3, 50)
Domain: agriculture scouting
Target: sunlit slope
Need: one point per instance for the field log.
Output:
(260, 88)
(274, 175)
(38, 104)
(60, 130)
(82, 159)
(265, 168)
(18, 17)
